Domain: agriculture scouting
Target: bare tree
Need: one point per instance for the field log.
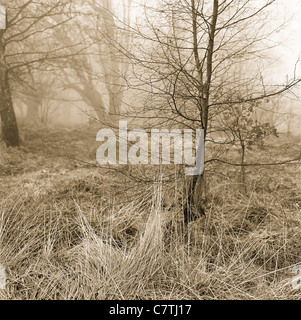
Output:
(98, 76)
(27, 43)
(190, 54)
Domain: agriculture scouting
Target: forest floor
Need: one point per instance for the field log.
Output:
(70, 229)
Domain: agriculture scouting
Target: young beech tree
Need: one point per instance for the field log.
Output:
(246, 133)
(187, 55)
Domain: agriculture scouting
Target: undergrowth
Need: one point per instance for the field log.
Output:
(73, 231)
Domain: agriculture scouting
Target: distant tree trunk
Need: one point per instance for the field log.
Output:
(114, 110)
(243, 169)
(32, 114)
(289, 122)
(10, 132)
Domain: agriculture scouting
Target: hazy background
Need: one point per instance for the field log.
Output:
(68, 108)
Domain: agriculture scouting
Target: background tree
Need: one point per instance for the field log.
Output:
(30, 25)
(99, 75)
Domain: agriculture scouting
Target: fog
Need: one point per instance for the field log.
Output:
(102, 76)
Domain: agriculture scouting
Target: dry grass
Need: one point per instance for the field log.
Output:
(81, 233)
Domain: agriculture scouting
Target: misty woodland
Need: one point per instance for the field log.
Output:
(150, 149)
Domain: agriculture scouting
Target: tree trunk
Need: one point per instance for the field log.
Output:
(10, 132)
(243, 169)
(195, 196)
(194, 207)
(114, 113)
(32, 114)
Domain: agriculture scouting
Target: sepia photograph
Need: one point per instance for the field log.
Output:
(150, 150)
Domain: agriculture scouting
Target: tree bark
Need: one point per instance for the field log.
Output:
(197, 187)
(10, 132)
(243, 169)
(193, 208)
